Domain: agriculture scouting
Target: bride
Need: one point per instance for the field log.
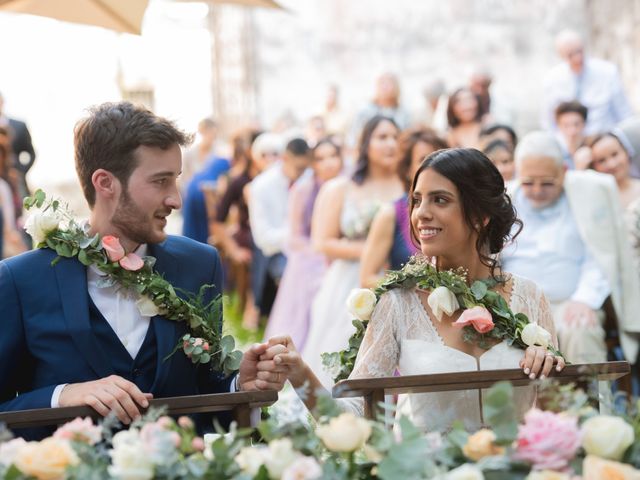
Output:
(461, 217)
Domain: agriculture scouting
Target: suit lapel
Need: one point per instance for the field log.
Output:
(72, 285)
(166, 339)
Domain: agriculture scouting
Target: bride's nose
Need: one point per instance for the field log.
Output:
(424, 211)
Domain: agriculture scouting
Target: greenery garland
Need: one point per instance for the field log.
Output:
(52, 226)
(420, 273)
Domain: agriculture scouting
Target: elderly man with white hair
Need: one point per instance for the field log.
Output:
(574, 245)
(593, 82)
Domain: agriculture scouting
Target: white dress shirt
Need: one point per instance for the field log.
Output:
(598, 87)
(268, 203)
(551, 252)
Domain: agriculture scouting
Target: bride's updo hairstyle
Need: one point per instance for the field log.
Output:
(482, 196)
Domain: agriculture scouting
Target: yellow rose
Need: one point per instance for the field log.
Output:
(607, 436)
(46, 460)
(548, 475)
(595, 468)
(480, 445)
(344, 433)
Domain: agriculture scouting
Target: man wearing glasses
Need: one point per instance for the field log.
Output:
(574, 245)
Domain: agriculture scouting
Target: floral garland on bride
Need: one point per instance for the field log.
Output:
(486, 314)
(52, 226)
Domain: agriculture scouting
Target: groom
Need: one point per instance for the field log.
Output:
(65, 340)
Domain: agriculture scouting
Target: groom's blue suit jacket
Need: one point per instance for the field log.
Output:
(48, 337)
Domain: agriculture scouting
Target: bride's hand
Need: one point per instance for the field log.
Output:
(285, 355)
(538, 362)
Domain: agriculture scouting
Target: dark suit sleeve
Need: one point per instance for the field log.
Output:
(16, 364)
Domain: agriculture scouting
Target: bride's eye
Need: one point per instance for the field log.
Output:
(439, 200)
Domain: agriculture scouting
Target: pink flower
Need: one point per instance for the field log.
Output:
(197, 444)
(477, 316)
(185, 422)
(547, 440)
(80, 430)
(198, 342)
(112, 246)
(205, 346)
(131, 262)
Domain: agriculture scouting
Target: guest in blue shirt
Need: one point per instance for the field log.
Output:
(195, 218)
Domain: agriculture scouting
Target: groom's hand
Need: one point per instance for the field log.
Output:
(255, 374)
(110, 394)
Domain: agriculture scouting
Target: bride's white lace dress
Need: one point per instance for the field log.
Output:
(401, 337)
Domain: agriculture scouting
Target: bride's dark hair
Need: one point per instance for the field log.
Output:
(482, 196)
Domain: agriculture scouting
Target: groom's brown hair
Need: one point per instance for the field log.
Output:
(109, 136)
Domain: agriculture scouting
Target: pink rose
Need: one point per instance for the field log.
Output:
(197, 444)
(131, 262)
(477, 316)
(112, 246)
(547, 440)
(80, 430)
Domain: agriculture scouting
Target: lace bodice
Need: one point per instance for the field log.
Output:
(402, 337)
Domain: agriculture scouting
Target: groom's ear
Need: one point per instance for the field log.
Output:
(107, 186)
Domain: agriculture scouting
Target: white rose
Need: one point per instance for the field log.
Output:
(129, 460)
(442, 300)
(250, 459)
(344, 433)
(146, 307)
(361, 302)
(40, 223)
(9, 450)
(281, 455)
(465, 472)
(534, 334)
(304, 468)
(606, 436)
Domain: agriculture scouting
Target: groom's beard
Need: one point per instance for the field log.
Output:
(134, 223)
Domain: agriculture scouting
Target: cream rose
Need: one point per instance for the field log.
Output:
(39, 223)
(9, 450)
(607, 436)
(534, 334)
(344, 433)
(129, 459)
(250, 459)
(146, 307)
(361, 302)
(465, 472)
(280, 456)
(481, 444)
(442, 301)
(46, 460)
(595, 468)
(304, 468)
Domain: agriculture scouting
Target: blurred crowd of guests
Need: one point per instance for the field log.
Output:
(303, 214)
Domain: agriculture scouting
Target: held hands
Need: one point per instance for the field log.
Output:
(258, 371)
(110, 394)
(538, 362)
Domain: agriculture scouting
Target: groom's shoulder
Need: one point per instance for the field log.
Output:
(31, 259)
(185, 248)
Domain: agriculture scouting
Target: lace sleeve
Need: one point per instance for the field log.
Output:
(530, 300)
(378, 354)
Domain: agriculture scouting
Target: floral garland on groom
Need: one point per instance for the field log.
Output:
(52, 226)
(486, 314)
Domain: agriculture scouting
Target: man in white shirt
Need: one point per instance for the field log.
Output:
(68, 342)
(593, 82)
(268, 197)
(573, 245)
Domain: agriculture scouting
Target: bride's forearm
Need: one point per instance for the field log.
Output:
(308, 387)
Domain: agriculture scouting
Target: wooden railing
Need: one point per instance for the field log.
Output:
(238, 403)
(374, 389)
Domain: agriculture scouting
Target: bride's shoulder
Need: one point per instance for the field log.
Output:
(525, 289)
(396, 298)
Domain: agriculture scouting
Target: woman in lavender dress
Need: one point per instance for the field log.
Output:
(305, 266)
(389, 242)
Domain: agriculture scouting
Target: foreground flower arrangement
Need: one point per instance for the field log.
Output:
(51, 225)
(485, 316)
(573, 443)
